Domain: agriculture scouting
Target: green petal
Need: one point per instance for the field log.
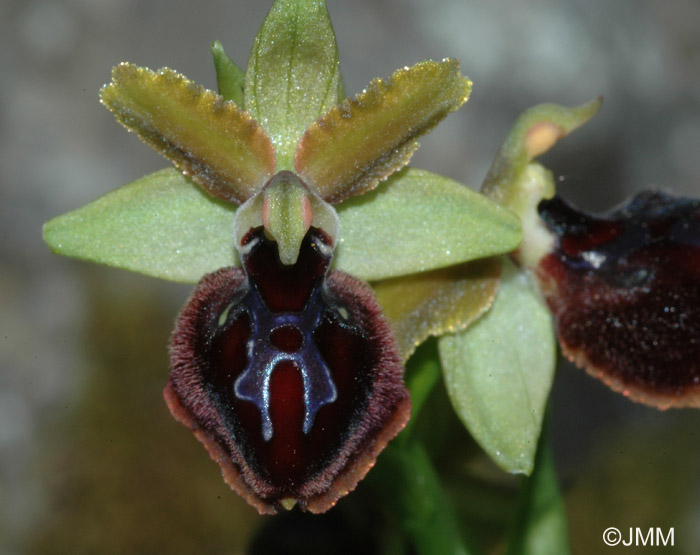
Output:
(534, 133)
(229, 77)
(499, 372)
(420, 221)
(360, 142)
(437, 302)
(161, 225)
(219, 146)
(293, 73)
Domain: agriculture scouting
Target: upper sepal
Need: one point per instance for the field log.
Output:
(209, 139)
(624, 289)
(293, 73)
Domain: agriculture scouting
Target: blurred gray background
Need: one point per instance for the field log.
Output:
(87, 449)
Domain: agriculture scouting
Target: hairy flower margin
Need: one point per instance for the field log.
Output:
(305, 163)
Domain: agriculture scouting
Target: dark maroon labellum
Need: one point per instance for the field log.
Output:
(290, 376)
(625, 292)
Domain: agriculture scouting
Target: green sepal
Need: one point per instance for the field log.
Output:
(293, 74)
(499, 372)
(229, 77)
(161, 225)
(417, 221)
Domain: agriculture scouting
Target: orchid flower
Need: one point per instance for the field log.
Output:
(623, 286)
(323, 261)
(284, 197)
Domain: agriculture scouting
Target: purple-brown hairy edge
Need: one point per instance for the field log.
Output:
(632, 318)
(185, 394)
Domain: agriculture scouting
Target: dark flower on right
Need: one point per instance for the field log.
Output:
(624, 289)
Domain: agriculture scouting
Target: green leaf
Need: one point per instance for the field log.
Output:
(229, 77)
(499, 371)
(540, 525)
(293, 74)
(211, 140)
(418, 221)
(410, 486)
(357, 144)
(161, 225)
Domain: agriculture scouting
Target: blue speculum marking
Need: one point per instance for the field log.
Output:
(285, 334)
(254, 383)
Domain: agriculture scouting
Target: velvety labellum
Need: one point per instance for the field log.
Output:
(625, 292)
(288, 374)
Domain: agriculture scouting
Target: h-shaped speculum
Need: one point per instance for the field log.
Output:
(263, 357)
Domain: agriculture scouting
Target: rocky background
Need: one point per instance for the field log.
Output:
(90, 460)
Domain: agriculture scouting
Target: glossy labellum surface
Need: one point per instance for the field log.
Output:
(625, 292)
(290, 376)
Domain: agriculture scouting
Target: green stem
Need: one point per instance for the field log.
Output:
(423, 372)
(412, 491)
(540, 522)
(406, 478)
